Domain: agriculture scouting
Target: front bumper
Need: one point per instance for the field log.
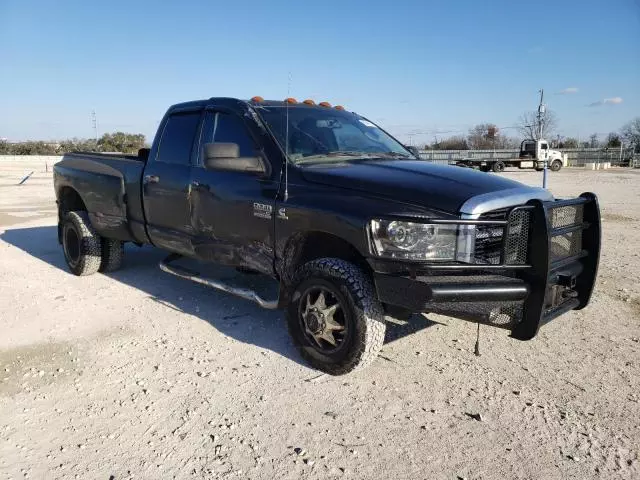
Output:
(521, 292)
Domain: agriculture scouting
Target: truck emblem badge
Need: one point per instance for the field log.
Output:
(282, 213)
(261, 210)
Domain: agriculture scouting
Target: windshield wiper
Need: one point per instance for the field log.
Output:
(336, 154)
(352, 154)
(394, 155)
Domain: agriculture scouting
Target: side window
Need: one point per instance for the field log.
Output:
(177, 138)
(226, 128)
(544, 146)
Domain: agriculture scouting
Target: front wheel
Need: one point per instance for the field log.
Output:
(555, 165)
(334, 317)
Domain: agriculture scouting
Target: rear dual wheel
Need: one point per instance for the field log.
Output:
(85, 251)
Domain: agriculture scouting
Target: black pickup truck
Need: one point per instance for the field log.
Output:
(352, 226)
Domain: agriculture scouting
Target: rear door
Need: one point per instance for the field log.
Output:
(166, 183)
(232, 212)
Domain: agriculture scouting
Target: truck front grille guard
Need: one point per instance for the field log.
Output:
(553, 246)
(564, 250)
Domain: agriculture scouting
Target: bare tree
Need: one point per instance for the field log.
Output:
(451, 143)
(569, 142)
(631, 133)
(482, 136)
(528, 125)
(613, 140)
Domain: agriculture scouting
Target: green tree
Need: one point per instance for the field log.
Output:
(121, 142)
(77, 145)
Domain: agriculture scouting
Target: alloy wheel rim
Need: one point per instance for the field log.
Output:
(322, 318)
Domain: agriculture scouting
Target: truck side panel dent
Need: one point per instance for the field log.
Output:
(322, 221)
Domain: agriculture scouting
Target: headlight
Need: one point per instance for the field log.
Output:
(414, 241)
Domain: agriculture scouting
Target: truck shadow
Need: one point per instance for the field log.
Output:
(237, 318)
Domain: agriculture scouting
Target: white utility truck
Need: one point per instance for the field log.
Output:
(533, 154)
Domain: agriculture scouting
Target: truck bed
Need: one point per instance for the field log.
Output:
(110, 188)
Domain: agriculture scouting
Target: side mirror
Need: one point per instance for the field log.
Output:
(226, 157)
(413, 150)
(143, 154)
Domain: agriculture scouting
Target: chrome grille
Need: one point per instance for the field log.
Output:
(489, 238)
(488, 243)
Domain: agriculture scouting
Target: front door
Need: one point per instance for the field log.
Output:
(544, 151)
(232, 213)
(166, 184)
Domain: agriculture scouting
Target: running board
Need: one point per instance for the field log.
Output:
(195, 277)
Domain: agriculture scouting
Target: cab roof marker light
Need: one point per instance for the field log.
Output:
(308, 101)
(325, 104)
(339, 107)
(257, 99)
(290, 100)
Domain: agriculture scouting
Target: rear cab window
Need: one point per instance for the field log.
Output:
(177, 138)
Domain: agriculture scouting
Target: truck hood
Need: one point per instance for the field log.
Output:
(447, 188)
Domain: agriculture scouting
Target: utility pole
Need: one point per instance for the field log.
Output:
(94, 123)
(541, 110)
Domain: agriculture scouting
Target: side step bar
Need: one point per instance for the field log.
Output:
(194, 277)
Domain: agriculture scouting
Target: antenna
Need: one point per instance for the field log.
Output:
(286, 144)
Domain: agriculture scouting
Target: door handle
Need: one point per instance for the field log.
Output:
(151, 179)
(197, 184)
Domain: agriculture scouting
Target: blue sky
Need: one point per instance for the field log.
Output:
(412, 66)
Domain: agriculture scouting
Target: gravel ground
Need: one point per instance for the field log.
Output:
(137, 374)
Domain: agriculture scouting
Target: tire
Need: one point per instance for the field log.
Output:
(112, 255)
(359, 314)
(498, 167)
(555, 166)
(80, 244)
(485, 168)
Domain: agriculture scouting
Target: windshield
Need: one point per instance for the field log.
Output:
(320, 134)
